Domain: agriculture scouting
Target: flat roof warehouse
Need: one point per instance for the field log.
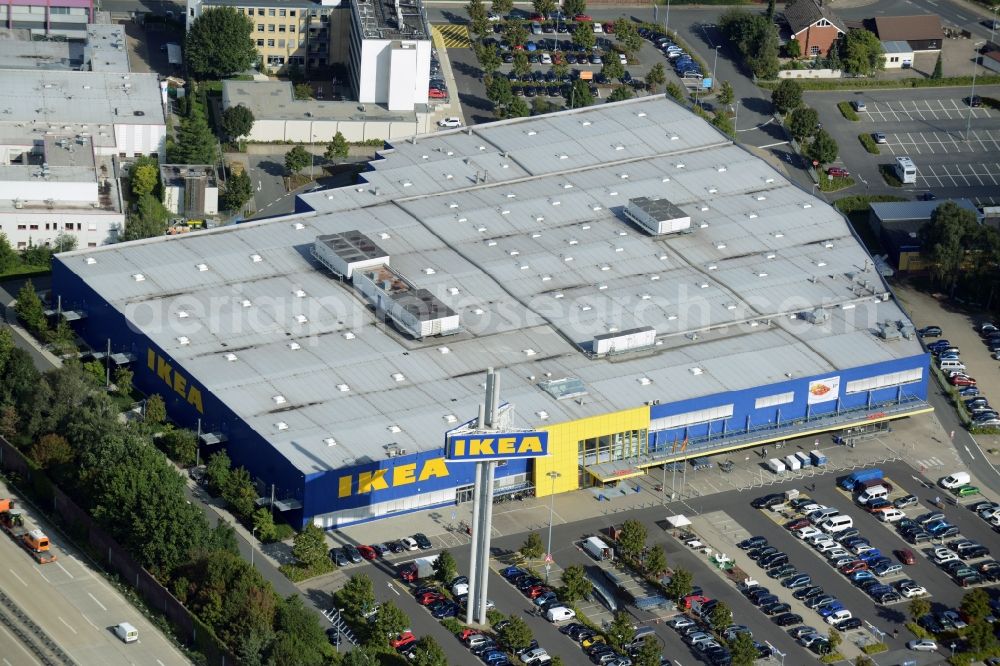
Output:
(516, 227)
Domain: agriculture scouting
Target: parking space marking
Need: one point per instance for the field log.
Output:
(939, 109)
(955, 175)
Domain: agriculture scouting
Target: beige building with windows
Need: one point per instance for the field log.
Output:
(286, 32)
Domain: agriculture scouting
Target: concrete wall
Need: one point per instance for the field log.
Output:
(321, 131)
(809, 74)
(140, 139)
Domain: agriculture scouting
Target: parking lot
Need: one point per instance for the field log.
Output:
(889, 111)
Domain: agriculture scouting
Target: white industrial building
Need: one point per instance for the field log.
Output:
(190, 190)
(390, 53)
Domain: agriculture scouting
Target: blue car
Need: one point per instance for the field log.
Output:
(969, 391)
(936, 526)
(831, 608)
(492, 656)
(870, 555)
(511, 571)
(859, 577)
(445, 610)
(938, 344)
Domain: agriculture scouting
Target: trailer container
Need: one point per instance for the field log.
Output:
(792, 462)
(775, 465)
(804, 459)
(818, 458)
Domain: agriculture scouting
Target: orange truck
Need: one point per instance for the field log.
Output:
(34, 541)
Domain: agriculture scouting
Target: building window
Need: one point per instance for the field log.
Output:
(270, 12)
(270, 27)
(91, 244)
(823, 23)
(22, 227)
(69, 226)
(894, 59)
(58, 10)
(79, 226)
(692, 418)
(885, 381)
(302, 43)
(91, 226)
(260, 27)
(21, 245)
(241, 10)
(249, 11)
(281, 12)
(34, 227)
(281, 28)
(270, 43)
(813, 50)
(291, 12)
(281, 43)
(774, 400)
(260, 42)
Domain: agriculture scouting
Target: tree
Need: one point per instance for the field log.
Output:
(770, 10)
(862, 660)
(621, 631)
(498, 91)
(302, 91)
(656, 560)
(195, 143)
(584, 36)
(627, 35)
(918, 608)
(263, 525)
(8, 256)
(429, 653)
(681, 582)
(389, 623)
(722, 121)
(445, 568)
(143, 178)
(487, 55)
(181, 445)
(309, 545)
(356, 597)
(787, 96)
(574, 7)
(532, 548)
(521, 65)
(239, 190)
(621, 93)
(515, 33)
(793, 49)
(580, 95)
(217, 472)
(477, 17)
(863, 53)
(802, 122)
(294, 619)
(834, 56)
(613, 69)
(51, 450)
(297, 159)
(237, 121)
(359, 656)
(722, 617)
(656, 77)
(123, 380)
(240, 493)
(156, 410)
(674, 90)
(541, 106)
(29, 309)
(148, 221)
(502, 7)
(823, 148)
(743, 650)
(976, 604)
(218, 44)
(726, 93)
(632, 539)
(576, 585)
(338, 148)
(8, 422)
(649, 653)
(518, 108)
(938, 68)
(544, 7)
(755, 37)
(834, 638)
(516, 634)
(945, 239)
(981, 638)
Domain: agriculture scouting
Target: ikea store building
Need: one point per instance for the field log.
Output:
(648, 291)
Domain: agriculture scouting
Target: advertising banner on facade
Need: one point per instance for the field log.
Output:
(823, 390)
(497, 446)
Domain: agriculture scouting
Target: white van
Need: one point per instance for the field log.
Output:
(952, 364)
(955, 480)
(126, 632)
(559, 614)
(873, 493)
(835, 524)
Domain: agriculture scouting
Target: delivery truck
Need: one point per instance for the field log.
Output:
(422, 567)
(818, 459)
(850, 481)
(32, 540)
(598, 549)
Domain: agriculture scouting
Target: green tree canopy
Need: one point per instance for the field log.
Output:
(241, 495)
(649, 653)
(755, 37)
(627, 35)
(532, 549)
(787, 96)
(613, 69)
(621, 631)
(722, 616)
(743, 650)
(181, 445)
(297, 159)
(338, 148)
(632, 538)
(863, 53)
(576, 585)
(123, 380)
(724, 123)
(502, 7)
(802, 122)
(445, 568)
(656, 560)
(29, 309)
(217, 471)
(675, 91)
(218, 45)
(389, 623)
(793, 49)
(156, 409)
(573, 7)
(521, 65)
(584, 36)
(544, 7)
(656, 77)
(263, 525)
(195, 142)
(680, 585)
(835, 638)
(239, 190)
(237, 121)
(944, 241)
(823, 148)
(309, 545)
(51, 450)
(516, 634)
(917, 608)
(356, 597)
(144, 177)
(515, 33)
(976, 604)
(8, 256)
(429, 653)
(621, 93)
(580, 95)
(726, 93)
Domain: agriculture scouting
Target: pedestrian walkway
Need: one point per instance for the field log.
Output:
(451, 36)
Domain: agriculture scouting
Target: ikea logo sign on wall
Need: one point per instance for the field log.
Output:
(174, 380)
(498, 447)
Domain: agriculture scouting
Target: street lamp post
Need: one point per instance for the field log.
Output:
(737, 118)
(253, 533)
(339, 611)
(666, 21)
(714, 63)
(552, 502)
(975, 68)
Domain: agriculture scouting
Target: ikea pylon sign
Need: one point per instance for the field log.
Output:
(497, 446)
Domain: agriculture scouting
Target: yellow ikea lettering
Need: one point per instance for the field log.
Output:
(506, 445)
(433, 467)
(404, 474)
(369, 481)
(531, 445)
(479, 447)
(174, 380)
(344, 486)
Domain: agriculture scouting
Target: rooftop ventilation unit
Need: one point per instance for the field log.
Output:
(345, 252)
(624, 341)
(817, 316)
(887, 330)
(657, 216)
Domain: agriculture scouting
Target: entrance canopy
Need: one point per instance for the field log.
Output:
(615, 470)
(678, 521)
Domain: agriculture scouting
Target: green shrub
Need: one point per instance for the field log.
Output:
(889, 175)
(874, 648)
(452, 625)
(861, 202)
(847, 111)
(831, 658)
(827, 184)
(869, 143)
(918, 631)
(853, 84)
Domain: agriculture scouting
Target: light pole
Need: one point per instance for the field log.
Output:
(253, 532)
(714, 63)
(339, 611)
(975, 68)
(666, 21)
(552, 503)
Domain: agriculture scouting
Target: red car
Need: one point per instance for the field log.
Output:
(962, 380)
(851, 567)
(434, 93)
(582, 17)
(537, 17)
(403, 640)
(690, 599)
(465, 633)
(906, 556)
(609, 27)
(537, 590)
(838, 172)
(428, 598)
(408, 573)
(367, 552)
(797, 524)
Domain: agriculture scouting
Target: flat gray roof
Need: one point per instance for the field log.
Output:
(391, 19)
(516, 226)
(17, 53)
(897, 47)
(274, 100)
(916, 210)
(61, 97)
(106, 49)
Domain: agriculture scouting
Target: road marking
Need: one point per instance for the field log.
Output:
(103, 607)
(772, 145)
(392, 587)
(59, 564)
(160, 663)
(969, 452)
(18, 644)
(17, 577)
(67, 624)
(961, 17)
(39, 570)
(89, 622)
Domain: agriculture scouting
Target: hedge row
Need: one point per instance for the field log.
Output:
(847, 111)
(869, 143)
(850, 84)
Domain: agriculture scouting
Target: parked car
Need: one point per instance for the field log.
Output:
(838, 172)
(922, 645)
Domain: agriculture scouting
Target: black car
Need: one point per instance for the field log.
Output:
(806, 592)
(352, 553)
(773, 560)
(573, 628)
(531, 646)
(929, 332)
(776, 609)
(763, 551)
(849, 623)
(787, 619)
(529, 582)
(974, 101)
(752, 542)
(459, 580)
(339, 558)
(765, 600)
(757, 593)
(422, 541)
(767, 501)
